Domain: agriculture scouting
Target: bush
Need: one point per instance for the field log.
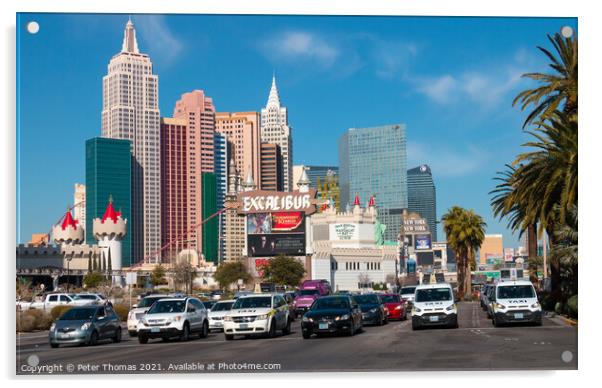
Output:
(25, 322)
(122, 311)
(572, 306)
(57, 311)
(31, 320)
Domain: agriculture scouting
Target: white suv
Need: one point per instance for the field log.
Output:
(138, 311)
(255, 314)
(174, 317)
(434, 305)
(515, 301)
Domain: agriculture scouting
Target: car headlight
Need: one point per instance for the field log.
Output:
(342, 317)
(86, 326)
(262, 317)
(500, 306)
(52, 327)
(535, 305)
(306, 319)
(176, 318)
(373, 310)
(227, 318)
(451, 307)
(416, 310)
(131, 315)
(398, 307)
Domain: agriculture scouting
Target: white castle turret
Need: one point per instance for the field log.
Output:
(69, 232)
(109, 231)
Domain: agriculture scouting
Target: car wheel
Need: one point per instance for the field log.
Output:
(117, 337)
(133, 333)
(539, 323)
(306, 335)
(495, 322)
(351, 331)
(205, 330)
(54, 346)
(142, 339)
(229, 337)
(93, 339)
(185, 336)
(287, 329)
(272, 332)
(415, 326)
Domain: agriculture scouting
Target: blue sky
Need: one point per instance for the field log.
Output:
(450, 80)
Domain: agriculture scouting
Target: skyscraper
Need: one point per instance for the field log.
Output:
(108, 176)
(275, 130)
(210, 228)
(221, 158)
(130, 110)
(242, 131)
(313, 173)
(373, 161)
(422, 198)
(271, 167)
(79, 203)
(181, 197)
(199, 112)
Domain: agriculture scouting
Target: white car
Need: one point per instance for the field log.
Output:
(407, 294)
(217, 313)
(87, 299)
(138, 311)
(515, 301)
(174, 317)
(434, 305)
(257, 314)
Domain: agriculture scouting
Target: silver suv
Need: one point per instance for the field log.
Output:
(174, 317)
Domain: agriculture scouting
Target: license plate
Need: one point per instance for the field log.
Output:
(323, 326)
(244, 326)
(155, 330)
(518, 316)
(64, 336)
(434, 319)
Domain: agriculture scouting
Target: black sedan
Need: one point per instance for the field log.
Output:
(373, 310)
(332, 314)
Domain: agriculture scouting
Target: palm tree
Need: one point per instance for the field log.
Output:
(556, 88)
(465, 232)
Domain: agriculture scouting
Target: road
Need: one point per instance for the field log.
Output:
(476, 345)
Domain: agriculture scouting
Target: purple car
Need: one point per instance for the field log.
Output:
(309, 291)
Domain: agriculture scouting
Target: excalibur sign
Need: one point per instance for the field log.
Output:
(260, 201)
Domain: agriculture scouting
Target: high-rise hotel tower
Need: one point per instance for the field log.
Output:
(275, 130)
(130, 110)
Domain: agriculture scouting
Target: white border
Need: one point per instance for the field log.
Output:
(590, 42)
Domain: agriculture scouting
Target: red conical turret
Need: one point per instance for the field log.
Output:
(356, 202)
(110, 212)
(371, 203)
(68, 221)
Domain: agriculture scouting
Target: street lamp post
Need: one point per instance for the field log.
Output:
(68, 273)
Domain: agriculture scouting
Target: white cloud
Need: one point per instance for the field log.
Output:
(445, 162)
(156, 35)
(438, 89)
(293, 46)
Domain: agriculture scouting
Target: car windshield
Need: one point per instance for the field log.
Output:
(253, 302)
(148, 301)
(309, 292)
(208, 304)
(330, 303)
(390, 298)
(433, 294)
(367, 299)
(168, 306)
(407, 290)
(223, 306)
(512, 292)
(76, 314)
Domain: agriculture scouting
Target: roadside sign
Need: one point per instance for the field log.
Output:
(131, 278)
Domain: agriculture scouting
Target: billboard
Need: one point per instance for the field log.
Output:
(508, 254)
(261, 201)
(423, 242)
(273, 234)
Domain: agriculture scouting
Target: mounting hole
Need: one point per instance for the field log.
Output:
(566, 31)
(567, 356)
(33, 27)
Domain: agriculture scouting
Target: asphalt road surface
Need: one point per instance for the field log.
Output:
(476, 345)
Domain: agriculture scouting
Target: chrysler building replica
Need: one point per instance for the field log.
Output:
(109, 231)
(130, 110)
(275, 130)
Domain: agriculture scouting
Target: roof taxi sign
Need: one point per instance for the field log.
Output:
(261, 201)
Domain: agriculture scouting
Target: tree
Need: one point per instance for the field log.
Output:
(183, 275)
(109, 265)
(157, 276)
(285, 271)
(229, 272)
(93, 279)
(94, 264)
(557, 90)
(104, 263)
(465, 232)
(89, 264)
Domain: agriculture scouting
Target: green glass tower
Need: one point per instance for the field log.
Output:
(209, 206)
(108, 174)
